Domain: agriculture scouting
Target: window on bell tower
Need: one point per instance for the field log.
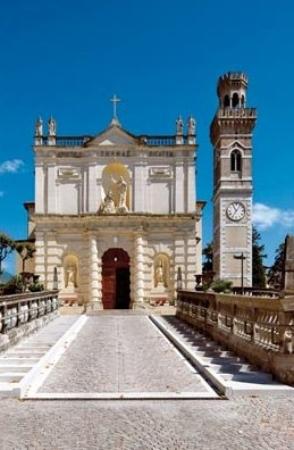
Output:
(235, 100)
(236, 161)
(226, 101)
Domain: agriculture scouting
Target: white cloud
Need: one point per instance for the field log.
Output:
(1, 193)
(265, 216)
(11, 166)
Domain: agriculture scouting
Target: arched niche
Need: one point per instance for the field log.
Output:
(114, 175)
(71, 272)
(161, 270)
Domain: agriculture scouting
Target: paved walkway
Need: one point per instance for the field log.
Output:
(243, 424)
(122, 353)
(142, 359)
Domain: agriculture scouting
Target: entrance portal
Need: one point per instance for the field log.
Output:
(116, 279)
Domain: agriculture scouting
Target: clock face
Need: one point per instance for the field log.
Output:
(236, 211)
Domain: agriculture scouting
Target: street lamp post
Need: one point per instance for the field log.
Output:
(242, 258)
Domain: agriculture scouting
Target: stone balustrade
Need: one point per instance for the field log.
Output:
(248, 113)
(259, 329)
(21, 314)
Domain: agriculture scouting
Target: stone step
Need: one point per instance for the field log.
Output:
(7, 361)
(248, 377)
(214, 353)
(11, 377)
(15, 369)
(219, 360)
(32, 346)
(231, 368)
(24, 355)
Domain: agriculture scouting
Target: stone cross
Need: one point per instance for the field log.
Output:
(115, 100)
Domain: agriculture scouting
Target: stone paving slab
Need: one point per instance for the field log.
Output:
(240, 424)
(122, 354)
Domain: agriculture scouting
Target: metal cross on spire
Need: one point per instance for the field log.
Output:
(115, 100)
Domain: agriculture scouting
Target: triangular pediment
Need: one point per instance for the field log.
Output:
(113, 136)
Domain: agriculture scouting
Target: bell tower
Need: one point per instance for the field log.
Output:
(231, 136)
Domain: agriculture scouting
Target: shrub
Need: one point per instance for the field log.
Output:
(221, 286)
(36, 287)
(13, 286)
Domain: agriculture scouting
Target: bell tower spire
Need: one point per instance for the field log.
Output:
(231, 136)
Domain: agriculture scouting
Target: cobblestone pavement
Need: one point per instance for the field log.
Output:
(122, 354)
(243, 424)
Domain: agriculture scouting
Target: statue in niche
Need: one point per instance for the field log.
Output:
(121, 187)
(159, 275)
(107, 206)
(71, 277)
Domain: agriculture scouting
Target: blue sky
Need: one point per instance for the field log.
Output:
(162, 58)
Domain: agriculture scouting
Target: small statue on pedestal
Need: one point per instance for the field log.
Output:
(159, 275)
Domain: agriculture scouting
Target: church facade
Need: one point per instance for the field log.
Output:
(115, 218)
(116, 221)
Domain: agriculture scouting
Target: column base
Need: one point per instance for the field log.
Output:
(95, 306)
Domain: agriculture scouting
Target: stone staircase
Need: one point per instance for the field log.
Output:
(230, 374)
(19, 360)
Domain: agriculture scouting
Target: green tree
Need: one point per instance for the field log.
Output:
(207, 252)
(258, 270)
(277, 269)
(7, 245)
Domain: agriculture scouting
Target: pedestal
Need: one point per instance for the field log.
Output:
(159, 295)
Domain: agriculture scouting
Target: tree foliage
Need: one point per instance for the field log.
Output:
(276, 271)
(7, 245)
(258, 270)
(207, 252)
(26, 251)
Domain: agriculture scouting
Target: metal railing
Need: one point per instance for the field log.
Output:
(18, 309)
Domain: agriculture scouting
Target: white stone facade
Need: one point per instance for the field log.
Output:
(73, 177)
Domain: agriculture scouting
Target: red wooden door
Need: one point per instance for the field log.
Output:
(112, 260)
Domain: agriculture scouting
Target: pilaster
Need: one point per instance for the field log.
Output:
(139, 269)
(94, 276)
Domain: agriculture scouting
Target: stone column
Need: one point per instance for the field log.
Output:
(94, 285)
(138, 267)
(40, 256)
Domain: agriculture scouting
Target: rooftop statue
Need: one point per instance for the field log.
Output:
(39, 127)
(51, 127)
(191, 126)
(180, 125)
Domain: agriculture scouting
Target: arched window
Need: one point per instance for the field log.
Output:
(235, 100)
(242, 100)
(236, 161)
(226, 101)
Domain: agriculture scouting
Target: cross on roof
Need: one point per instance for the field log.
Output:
(115, 100)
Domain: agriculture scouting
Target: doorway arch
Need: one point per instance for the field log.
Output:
(116, 279)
